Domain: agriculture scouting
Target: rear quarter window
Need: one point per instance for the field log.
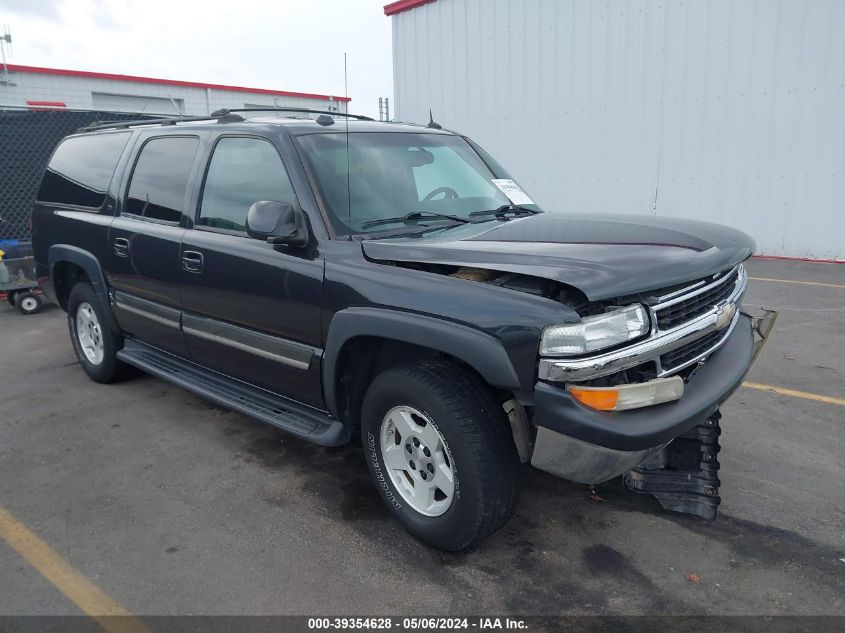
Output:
(81, 169)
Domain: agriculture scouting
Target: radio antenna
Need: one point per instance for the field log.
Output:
(348, 164)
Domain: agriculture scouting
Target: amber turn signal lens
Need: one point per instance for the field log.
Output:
(599, 399)
(634, 396)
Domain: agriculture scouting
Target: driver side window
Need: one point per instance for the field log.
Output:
(242, 171)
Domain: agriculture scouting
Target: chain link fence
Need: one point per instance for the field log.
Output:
(27, 139)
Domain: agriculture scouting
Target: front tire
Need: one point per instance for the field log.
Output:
(441, 453)
(94, 343)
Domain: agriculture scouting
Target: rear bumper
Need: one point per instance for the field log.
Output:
(590, 446)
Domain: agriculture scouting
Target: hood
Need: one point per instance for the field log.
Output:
(603, 256)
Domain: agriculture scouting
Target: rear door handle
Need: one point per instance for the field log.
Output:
(121, 247)
(192, 261)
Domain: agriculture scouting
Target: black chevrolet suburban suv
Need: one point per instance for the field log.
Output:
(390, 284)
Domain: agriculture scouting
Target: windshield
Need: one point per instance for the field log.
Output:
(396, 174)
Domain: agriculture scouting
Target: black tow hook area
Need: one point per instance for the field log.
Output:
(683, 475)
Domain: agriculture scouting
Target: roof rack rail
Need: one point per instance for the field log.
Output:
(223, 115)
(117, 125)
(225, 111)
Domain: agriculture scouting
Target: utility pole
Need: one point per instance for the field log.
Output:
(6, 38)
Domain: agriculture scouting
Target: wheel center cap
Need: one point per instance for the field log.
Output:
(419, 458)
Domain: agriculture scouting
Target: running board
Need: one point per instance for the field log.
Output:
(299, 420)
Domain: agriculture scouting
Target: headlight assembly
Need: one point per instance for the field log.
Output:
(595, 333)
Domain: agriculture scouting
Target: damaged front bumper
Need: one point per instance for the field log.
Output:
(589, 446)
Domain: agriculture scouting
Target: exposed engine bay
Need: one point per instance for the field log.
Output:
(546, 288)
(555, 291)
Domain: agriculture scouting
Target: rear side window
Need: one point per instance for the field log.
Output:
(242, 172)
(160, 178)
(81, 169)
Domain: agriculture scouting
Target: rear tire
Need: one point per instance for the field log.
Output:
(94, 342)
(10, 297)
(27, 302)
(421, 421)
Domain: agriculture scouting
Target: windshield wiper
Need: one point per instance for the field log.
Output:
(414, 215)
(504, 211)
(418, 230)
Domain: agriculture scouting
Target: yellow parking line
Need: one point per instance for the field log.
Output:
(806, 395)
(81, 591)
(792, 281)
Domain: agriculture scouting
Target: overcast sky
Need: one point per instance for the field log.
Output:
(285, 44)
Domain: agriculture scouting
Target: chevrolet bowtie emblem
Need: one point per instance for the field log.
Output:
(725, 315)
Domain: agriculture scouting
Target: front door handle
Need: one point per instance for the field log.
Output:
(121, 247)
(192, 261)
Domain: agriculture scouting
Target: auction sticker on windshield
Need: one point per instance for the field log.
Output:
(513, 191)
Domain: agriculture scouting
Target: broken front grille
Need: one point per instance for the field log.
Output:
(696, 304)
(679, 357)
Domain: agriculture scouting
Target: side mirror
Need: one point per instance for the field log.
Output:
(277, 222)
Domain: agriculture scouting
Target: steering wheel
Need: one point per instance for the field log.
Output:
(449, 194)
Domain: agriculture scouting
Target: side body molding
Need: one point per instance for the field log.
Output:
(479, 350)
(90, 264)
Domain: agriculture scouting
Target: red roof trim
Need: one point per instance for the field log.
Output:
(46, 104)
(810, 260)
(404, 5)
(165, 82)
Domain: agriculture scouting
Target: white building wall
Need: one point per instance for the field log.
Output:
(722, 110)
(76, 92)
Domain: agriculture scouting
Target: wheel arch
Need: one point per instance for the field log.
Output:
(394, 332)
(70, 263)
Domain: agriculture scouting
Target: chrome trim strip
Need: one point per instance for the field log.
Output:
(560, 369)
(246, 348)
(274, 348)
(684, 290)
(723, 280)
(148, 315)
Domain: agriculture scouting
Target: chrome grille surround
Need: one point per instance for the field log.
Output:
(694, 301)
(721, 316)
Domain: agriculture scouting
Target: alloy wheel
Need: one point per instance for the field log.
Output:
(89, 333)
(418, 461)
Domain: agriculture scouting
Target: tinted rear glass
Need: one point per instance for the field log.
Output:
(81, 169)
(160, 179)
